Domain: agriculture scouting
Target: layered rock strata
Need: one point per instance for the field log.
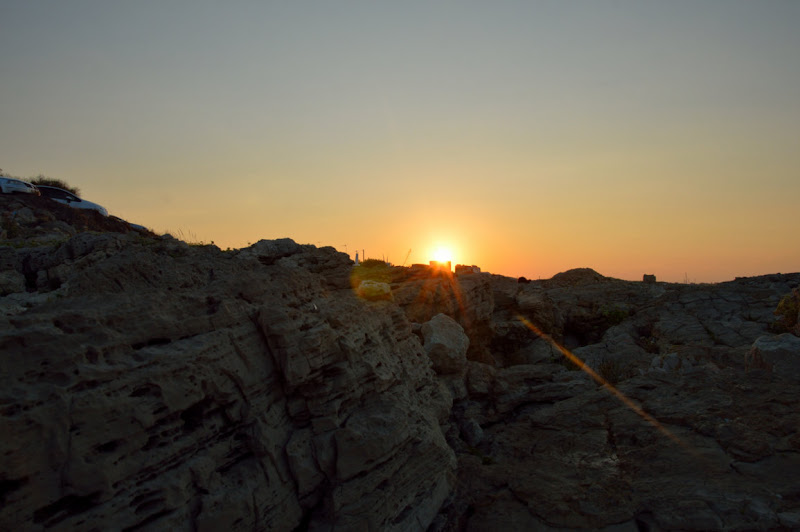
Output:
(148, 384)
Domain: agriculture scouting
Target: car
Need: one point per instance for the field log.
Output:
(9, 185)
(136, 227)
(68, 198)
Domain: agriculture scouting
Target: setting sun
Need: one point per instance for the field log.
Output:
(442, 255)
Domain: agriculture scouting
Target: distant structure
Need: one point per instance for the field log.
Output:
(463, 268)
(649, 279)
(356, 257)
(441, 265)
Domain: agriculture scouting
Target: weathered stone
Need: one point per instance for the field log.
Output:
(11, 282)
(374, 290)
(174, 387)
(446, 344)
(480, 379)
(150, 384)
(779, 354)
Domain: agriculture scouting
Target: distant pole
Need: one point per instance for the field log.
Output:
(356, 257)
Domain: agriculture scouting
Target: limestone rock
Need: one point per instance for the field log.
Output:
(149, 384)
(446, 344)
(167, 386)
(374, 290)
(11, 282)
(480, 379)
(269, 251)
(468, 299)
(779, 354)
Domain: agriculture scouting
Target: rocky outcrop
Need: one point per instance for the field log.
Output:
(777, 354)
(467, 298)
(151, 384)
(148, 384)
(446, 344)
(719, 455)
(696, 427)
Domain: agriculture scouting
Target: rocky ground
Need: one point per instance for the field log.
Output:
(149, 384)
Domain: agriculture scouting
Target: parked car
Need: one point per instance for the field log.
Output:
(137, 227)
(9, 185)
(68, 198)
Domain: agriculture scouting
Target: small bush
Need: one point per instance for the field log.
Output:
(613, 371)
(787, 312)
(614, 315)
(373, 263)
(52, 182)
(371, 270)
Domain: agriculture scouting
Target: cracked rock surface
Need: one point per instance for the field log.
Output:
(158, 385)
(149, 384)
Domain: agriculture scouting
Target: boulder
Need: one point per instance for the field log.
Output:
(446, 344)
(269, 251)
(778, 354)
(11, 282)
(374, 291)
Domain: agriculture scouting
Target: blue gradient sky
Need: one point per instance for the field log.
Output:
(528, 137)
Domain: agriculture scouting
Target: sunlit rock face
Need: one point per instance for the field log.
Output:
(149, 383)
(468, 299)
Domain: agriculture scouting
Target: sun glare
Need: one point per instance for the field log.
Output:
(442, 255)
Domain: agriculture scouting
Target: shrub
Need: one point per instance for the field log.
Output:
(52, 182)
(371, 270)
(614, 315)
(372, 263)
(787, 312)
(613, 371)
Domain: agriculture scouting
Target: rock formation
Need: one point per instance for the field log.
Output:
(148, 384)
(152, 384)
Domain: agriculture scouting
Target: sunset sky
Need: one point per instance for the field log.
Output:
(528, 137)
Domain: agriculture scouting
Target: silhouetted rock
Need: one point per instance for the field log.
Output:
(576, 277)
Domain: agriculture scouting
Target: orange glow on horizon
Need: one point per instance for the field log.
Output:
(443, 255)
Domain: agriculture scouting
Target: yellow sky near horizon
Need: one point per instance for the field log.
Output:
(527, 138)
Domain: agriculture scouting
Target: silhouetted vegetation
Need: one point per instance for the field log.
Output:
(373, 263)
(53, 182)
(372, 270)
(787, 312)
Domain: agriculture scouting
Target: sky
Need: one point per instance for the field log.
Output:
(525, 137)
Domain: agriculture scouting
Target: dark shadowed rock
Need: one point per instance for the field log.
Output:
(146, 383)
(779, 354)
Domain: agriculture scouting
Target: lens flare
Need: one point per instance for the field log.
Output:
(608, 386)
